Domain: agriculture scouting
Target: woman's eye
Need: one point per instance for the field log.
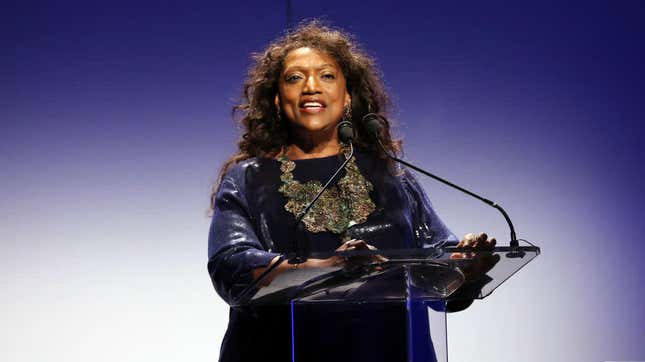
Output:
(329, 76)
(293, 78)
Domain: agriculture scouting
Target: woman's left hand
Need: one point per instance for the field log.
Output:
(478, 241)
(479, 263)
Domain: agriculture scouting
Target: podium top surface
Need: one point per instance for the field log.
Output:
(447, 273)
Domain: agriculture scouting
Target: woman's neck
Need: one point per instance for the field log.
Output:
(297, 152)
(312, 147)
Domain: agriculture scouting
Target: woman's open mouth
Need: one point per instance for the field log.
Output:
(312, 107)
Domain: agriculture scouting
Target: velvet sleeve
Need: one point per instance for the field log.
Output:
(234, 248)
(429, 229)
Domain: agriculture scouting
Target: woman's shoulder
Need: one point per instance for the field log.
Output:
(243, 169)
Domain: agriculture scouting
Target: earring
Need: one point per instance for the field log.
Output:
(347, 114)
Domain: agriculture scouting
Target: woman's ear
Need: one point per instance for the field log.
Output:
(276, 101)
(348, 100)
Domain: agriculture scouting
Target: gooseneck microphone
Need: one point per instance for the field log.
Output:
(374, 127)
(345, 135)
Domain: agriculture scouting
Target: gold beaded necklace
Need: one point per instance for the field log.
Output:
(341, 206)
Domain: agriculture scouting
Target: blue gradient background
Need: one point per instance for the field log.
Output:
(116, 117)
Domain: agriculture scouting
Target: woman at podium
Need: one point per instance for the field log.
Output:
(296, 93)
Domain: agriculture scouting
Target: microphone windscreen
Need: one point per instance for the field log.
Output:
(345, 131)
(372, 123)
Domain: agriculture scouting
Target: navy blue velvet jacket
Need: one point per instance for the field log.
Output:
(250, 226)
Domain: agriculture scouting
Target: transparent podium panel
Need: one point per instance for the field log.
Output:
(381, 305)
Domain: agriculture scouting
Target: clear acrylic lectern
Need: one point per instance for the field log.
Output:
(419, 284)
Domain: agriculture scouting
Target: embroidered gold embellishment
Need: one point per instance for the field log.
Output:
(341, 206)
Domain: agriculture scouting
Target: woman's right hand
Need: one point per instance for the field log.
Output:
(331, 262)
(356, 244)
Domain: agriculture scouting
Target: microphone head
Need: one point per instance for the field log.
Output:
(373, 124)
(345, 131)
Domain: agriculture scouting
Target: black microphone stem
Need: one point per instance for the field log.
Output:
(299, 258)
(514, 243)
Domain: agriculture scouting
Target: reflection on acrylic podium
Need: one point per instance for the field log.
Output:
(406, 292)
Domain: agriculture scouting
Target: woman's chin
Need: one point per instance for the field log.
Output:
(316, 126)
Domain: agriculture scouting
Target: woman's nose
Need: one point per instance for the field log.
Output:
(311, 86)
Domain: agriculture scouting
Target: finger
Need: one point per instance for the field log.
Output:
(469, 237)
(465, 240)
(356, 242)
(346, 245)
(361, 245)
(343, 246)
(482, 237)
(485, 245)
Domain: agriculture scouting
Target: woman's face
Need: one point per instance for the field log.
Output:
(312, 90)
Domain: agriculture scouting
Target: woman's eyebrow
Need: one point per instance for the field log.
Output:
(300, 67)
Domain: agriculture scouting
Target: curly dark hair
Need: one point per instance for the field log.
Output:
(265, 135)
